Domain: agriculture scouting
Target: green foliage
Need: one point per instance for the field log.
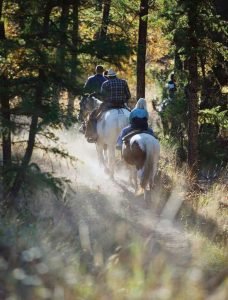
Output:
(109, 49)
(214, 116)
(186, 21)
(211, 122)
(210, 29)
(47, 53)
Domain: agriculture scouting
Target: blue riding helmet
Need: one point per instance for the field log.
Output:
(138, 113)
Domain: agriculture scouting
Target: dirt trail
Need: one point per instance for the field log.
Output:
(108, 213)
(103, 214)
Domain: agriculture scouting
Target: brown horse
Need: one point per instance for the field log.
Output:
(142, 150)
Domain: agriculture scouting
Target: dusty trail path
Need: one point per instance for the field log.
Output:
(105, 214)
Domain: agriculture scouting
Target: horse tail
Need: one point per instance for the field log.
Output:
(152, 149)
(148, 165)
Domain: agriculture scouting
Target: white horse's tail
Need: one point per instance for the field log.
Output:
(148, 166)
(152, 149)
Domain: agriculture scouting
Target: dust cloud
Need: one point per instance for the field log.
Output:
(103, 213)
(92, 223)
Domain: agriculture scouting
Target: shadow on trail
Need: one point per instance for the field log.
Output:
(187, 215)
(206, 226)
(132, 200)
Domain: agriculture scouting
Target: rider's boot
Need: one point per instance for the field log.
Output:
(91, 131)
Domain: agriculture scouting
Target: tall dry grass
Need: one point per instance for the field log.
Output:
(66, 251)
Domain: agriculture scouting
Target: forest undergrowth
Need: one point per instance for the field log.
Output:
(96, 240)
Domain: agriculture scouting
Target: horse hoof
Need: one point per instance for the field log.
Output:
(139, 192)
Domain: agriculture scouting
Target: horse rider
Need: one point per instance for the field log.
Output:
(138, 122)
(172, 87)
(94, 83)
(93, 86)
(114, 93)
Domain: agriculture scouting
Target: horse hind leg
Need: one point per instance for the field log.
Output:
(154, 169)
(135, 179)
(139, 189)
(100, 154)
(111, 160)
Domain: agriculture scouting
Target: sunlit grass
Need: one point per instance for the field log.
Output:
(208, 256)
(137, 269)
(48, 273)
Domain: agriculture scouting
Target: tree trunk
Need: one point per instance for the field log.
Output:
(5, 114)
(70, 107)
(2, 25)
(193, 97)
(47, 12)
(6, 134)
(105, 19)
(1, 8)
(11, 199)
(61, 51)
(63, 29)
(141, 54)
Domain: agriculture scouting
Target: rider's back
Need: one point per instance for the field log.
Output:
(94, 83)
(115, 91)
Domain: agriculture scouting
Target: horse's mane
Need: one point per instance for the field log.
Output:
(141, 103)
(96, 100)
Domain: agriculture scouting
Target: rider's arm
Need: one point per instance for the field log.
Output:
(119, 142)
(88, 87)
(151, 130)
(123, 132)
(104, 92)
(127, 92)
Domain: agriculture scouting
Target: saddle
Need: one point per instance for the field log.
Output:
(108, 106)
(127, 137)
(91, 127)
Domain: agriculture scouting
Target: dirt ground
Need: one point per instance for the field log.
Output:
(104, 215)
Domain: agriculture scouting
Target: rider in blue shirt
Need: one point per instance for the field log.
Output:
(138, 121)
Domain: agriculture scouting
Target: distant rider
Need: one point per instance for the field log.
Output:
(114, 93)
(93, 86)
(172, 87)
(94, 82)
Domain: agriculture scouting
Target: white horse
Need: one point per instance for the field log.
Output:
(109, 125)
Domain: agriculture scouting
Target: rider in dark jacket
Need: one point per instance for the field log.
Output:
(94, 83)
(93, 86)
